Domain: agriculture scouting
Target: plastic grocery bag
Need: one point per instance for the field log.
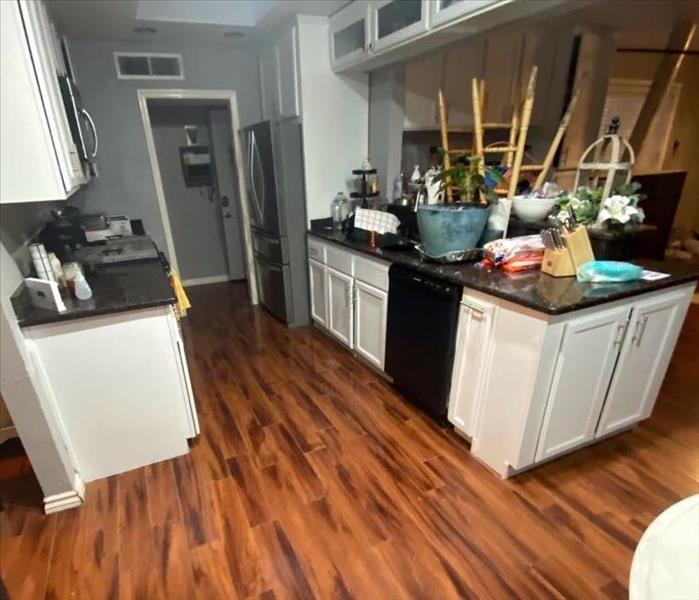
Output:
(608, 271)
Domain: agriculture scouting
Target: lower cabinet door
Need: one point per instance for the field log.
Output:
(581, 378)
(340, 312)
(652, 334)
(470, 364)
(319, 298)
(371, 308)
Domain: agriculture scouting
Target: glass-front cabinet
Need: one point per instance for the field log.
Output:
(349, 34)
(446, 11)
(394, 21)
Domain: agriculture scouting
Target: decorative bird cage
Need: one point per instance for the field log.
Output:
(610, 158)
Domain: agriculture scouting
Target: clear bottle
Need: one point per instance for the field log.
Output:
(339, 208)
(83, 291)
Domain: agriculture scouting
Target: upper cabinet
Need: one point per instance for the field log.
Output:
(395, 21)
(367, 34)
(40, 160)
(278, 66)
(443, 12)
(350, 34)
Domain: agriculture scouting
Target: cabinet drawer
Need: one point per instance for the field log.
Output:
(372, 272)
(338, 259)
(316, 250)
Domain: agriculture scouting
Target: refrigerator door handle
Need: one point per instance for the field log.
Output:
(251, 175)
(259, 194)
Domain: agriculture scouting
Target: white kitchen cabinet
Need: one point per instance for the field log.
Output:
(443, 12)
(125, 403)
(370, 311)
(319, 298)
(653, 330)
(423, 78)
(470, 363)
(349, 34)
(39, 159)
(278, 67)
(288, 76)
(268, 62)
(340, 306)
(583, 371)
(397, 21)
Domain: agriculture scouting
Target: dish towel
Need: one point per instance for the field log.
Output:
(183, 303)
(376, 220)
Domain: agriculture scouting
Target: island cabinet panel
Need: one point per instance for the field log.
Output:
(120, 388)
(653, 330)
(340, 311)
(371, 309)
(319, 298)
(581, 378)
(471, 364)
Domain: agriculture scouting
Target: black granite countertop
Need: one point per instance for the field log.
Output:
(115, 288)
(533, 289)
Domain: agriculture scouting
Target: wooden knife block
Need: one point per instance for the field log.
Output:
(566, 261)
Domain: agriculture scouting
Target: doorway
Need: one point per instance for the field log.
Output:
(192, 140)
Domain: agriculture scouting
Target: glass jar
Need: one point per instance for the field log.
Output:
(339, 210)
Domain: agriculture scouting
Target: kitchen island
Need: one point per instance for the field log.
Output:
(542, 365)
(115, 369)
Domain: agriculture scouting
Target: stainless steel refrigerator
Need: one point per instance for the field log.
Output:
(276, 201)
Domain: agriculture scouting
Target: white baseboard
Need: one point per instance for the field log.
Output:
(66, 500)
(205, 280)
(7, 432)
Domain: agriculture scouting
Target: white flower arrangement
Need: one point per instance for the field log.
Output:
(621, 209)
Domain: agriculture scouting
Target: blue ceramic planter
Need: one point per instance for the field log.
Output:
(451, 227)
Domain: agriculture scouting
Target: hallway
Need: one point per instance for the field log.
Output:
(313, 478)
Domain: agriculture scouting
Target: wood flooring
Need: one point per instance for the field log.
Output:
(312, 478)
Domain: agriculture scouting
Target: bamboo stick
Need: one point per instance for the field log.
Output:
(556, 142)
(446, 160)
(523, 129)
(478, 122)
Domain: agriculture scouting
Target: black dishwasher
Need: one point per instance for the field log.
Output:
(423, 315)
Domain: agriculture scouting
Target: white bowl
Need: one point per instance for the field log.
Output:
(532, 210)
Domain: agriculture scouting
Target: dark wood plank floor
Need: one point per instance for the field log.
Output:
(313, 478)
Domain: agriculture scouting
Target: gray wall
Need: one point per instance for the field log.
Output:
(195, 220)
(126, 184)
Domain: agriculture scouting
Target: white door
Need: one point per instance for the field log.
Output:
(396, 21)
(319, 298)
(470, 364)
(288, 88)
(226, 178)
(584, 368)
(340, 312)
(653, 330)
(349, 34)
(371, 308)
(269, 82)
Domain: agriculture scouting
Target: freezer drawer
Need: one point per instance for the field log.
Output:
(273, 248)
(274, 287)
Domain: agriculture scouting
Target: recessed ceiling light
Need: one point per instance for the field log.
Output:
(233, 34)
(146, 30)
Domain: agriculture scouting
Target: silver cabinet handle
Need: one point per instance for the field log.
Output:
(642, 332)
(87, 116)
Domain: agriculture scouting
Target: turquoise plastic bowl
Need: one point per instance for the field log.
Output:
(450, 227)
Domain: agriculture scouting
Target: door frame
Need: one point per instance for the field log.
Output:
(230, 97)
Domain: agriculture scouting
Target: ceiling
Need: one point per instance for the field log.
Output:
(185, 21)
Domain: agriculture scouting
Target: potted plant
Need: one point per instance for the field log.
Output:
(457, 224)
(615, 212)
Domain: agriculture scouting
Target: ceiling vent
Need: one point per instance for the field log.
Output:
(142, 65)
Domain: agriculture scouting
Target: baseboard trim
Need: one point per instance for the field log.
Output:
(66, 500)
(204, 280)
(7, 433)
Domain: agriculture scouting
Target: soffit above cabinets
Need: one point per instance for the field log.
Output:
(227, 22)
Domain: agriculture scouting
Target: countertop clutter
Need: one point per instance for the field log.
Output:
(532, 289)
(115, 288)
